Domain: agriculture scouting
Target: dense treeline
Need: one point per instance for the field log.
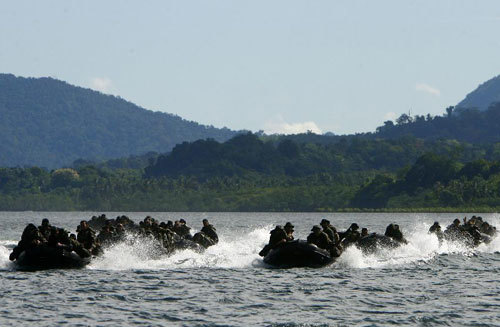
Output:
(49, 123)
(464, 125)
(248, 154)
(249, 174)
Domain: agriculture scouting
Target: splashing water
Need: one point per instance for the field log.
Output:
(421, 247)
(241, 251)
(135, 253)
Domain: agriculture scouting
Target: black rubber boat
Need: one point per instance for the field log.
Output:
(44, 257)
(374, 242)
(298, 254)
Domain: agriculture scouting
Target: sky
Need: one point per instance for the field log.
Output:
(278, 66)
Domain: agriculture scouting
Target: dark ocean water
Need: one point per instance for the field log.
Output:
(420, 284)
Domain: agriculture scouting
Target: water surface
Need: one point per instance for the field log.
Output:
(422, 283)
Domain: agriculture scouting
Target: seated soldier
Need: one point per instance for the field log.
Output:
(351, 235)
(395, 233)
(107, 235)
(454, 228)
(44, 228)
(182, 230)
(209, 230)
(78, 247)
(278, 236)
(319, 238)
(330, 231)
(86, 235)
(436, 229)
(30, 238)
(289, 228)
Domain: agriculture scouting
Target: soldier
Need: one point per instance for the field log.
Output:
(351, 235)
(395, 233)
(86, 235)
(278, 236)
(182, 230)
(209, 230)
(319, 238)
(330, 231)
(44, 228)
(30, 238)
(289, 228)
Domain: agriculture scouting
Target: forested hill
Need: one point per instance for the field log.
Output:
(468, 125)
(50, 123)
(482, 97)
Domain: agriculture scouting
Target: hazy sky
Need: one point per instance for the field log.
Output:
(279, 66)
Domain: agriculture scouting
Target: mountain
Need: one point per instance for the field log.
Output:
(482, 97)
(50, 123)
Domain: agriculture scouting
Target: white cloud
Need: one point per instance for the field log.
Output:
(278, 125)
(427, 89)
(102, 84)
(390, 115)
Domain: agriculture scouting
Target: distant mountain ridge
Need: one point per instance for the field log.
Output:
(50, 123)
(483, 96)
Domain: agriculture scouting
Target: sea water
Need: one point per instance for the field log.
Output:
(423, 283)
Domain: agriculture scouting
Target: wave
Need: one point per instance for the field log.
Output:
(421, 247)
(241, 250)
(236, 251)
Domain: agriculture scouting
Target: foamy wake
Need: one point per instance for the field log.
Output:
(241, 251)
(135, 253)
(421, 247)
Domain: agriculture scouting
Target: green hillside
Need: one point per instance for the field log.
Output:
(50, 123)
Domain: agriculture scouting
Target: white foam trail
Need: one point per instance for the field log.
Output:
(421, 246)
(241, 251)
(231, 252)
(5, 250)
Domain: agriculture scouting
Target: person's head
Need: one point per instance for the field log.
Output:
(364, 231)
(389, 230)
(73, 237)
(354, 227)
(177, 223)
(205, 222)
(324, 223)
(316, 229)
(45, 222)
(456, 222)
(182, 222)
(83, 225)
(120, 228)
(289, 228)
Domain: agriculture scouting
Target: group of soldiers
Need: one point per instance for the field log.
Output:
(473, 231)
(325, 236)
(170, 235)
(86, 242)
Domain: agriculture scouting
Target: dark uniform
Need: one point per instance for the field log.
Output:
(86, 235)
(352, 234)
(319, 238)
(30, 238)
(278, 236)
(209, 230)
(289, 228)
(45, 228)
